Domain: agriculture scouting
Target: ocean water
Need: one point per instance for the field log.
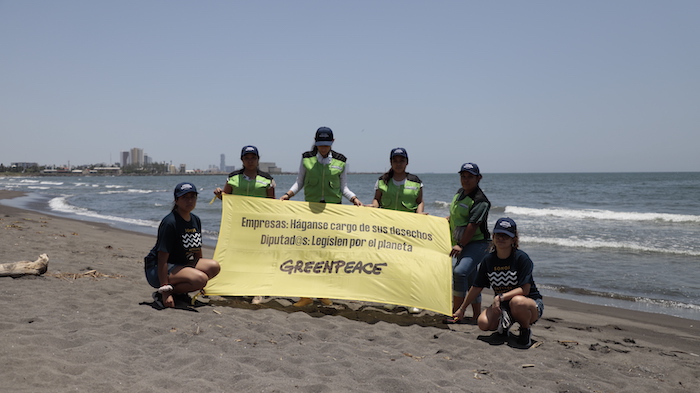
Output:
(628, 240)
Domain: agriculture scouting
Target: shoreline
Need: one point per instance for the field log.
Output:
(88, 325)
(664, 320)
(210, 242)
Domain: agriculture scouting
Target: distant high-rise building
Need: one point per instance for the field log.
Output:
(222, 164)
(137, 156)
(124, 158)
(269, 167)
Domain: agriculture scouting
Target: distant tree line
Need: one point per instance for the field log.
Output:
(20, 169)
(155, 168)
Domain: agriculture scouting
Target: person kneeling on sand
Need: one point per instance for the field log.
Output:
(175, 265)
(508, 271)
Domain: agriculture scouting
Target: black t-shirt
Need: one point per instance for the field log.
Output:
(503, 275)
(181, 239)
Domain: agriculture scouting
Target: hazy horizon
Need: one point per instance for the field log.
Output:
(516, 87)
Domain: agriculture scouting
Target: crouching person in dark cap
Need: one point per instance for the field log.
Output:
(508, 271)
(175, 265)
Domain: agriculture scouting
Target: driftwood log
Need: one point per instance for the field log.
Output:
(16, 269)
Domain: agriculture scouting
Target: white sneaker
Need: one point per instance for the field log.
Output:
(505, 322)
(414, 310)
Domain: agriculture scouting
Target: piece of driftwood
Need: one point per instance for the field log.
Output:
(22, 268)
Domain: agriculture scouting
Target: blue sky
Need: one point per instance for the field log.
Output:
(514, 86)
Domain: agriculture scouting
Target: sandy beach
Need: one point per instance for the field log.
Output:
(89, 325)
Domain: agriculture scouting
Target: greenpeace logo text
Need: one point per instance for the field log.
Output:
(332, 267)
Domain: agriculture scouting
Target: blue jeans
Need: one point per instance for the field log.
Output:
(464, 268)
(152, 274)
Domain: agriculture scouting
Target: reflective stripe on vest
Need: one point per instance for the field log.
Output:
(249, 187)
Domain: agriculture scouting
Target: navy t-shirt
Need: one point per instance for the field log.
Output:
(179, 238)
(503, 275)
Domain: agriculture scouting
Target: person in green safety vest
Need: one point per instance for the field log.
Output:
(323, 177)
(399, 190)
(469, 212)
(249, 181)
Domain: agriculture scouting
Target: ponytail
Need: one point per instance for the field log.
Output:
(388, 175)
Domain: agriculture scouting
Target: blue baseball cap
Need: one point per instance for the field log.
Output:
(471, 168)
(184, 188)
(398, 151)
(249, 149)
(506, 225)
(324, 136)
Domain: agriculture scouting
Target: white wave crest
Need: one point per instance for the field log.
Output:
(602, 214)
(53, 183)
(129, 191)
(669, 304)
(599, 244)
(60, 204)
(442, 204)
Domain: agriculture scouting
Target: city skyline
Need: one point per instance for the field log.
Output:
(126, 157)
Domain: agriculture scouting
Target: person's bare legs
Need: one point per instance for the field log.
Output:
(210, 267)
(476, 310)
(524, 311)
(456, 303)
(488, 319)
(187, 279)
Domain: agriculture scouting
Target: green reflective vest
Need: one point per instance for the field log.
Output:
(322, 182)
(403, 197)
(256, 187)
(460, 210)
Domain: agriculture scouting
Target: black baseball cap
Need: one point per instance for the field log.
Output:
(398, 151)
(506, 225)
(184, 188)
(249, 149)
(471, 168)
(324, 136)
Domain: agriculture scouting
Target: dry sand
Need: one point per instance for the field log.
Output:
(88, 325)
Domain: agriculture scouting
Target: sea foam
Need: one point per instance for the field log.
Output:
(60, 204)
(602, 214)
(600, 244)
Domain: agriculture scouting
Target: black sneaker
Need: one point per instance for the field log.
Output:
(183, 298)
(158, 300)
(505, 322)
(525, 337)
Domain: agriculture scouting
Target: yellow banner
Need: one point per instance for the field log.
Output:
(289, 248)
